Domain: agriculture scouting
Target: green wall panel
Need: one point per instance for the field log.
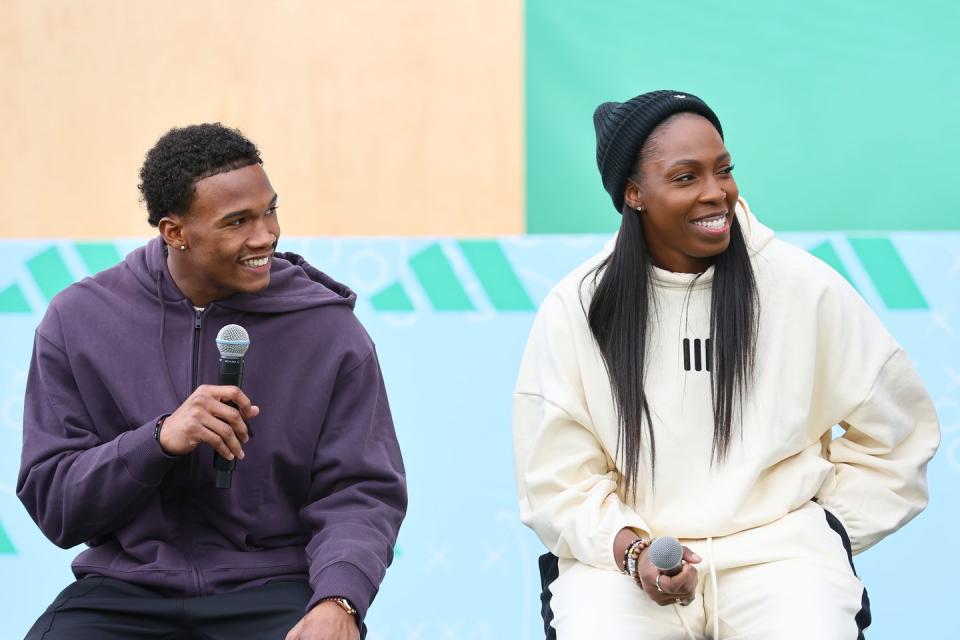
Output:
(839, 116)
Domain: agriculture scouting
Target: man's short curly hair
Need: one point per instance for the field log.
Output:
(185, 155)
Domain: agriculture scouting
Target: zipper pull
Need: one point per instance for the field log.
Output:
(197, 323)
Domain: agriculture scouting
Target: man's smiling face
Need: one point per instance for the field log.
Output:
(230, 231)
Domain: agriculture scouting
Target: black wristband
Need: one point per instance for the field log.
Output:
(157, 427)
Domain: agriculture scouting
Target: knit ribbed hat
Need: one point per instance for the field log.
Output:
(623, 127)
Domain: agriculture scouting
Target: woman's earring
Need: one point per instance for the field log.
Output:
(640, 209)
(183, 247)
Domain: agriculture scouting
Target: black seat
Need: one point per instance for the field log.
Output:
(549, 571)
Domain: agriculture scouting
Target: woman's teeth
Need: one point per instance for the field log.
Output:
(257, 262)
(716, 223)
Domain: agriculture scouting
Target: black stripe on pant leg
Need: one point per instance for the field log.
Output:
(863, 617)
(549, 571)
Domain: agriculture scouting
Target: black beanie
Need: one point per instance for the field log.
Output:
(623, 127)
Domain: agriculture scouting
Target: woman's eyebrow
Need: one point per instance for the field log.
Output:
(723, 156)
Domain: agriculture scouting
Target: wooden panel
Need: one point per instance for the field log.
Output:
(373, 118)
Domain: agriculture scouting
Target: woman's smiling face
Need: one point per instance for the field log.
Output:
(686, 188)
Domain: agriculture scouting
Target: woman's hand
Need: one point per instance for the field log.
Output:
(678, 589)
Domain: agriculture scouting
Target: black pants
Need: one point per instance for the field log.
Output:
(107, 609)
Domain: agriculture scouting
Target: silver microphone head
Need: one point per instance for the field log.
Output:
(666, 553)
(233, 341)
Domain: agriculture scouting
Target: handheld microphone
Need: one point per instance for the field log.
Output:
(666, 554)
(232, 343)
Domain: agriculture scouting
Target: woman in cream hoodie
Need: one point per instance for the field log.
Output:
(685, 382)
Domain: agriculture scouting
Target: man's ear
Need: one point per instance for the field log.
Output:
(171, 229)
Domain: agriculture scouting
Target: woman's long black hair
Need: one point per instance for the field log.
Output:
(620, 316)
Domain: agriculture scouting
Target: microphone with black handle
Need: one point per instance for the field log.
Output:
(666, 554)
(232, 343)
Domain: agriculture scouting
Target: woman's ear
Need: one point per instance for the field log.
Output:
(632, 195)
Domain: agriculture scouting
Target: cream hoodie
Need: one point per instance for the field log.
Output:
(823, 358)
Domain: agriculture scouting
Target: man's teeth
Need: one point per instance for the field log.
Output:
(716, 223)
(257, 262)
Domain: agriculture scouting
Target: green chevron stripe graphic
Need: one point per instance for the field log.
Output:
(878, 255)
(12, 300)
(497, 277)
(439, 282)
(98, 256)
(888, 272)
(6, 547)
(50, 272)
(499, 280)
(393, 298)
(826, 252)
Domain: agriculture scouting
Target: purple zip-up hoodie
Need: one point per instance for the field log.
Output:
(321, 491)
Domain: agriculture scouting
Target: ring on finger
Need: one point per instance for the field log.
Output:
(657, 582)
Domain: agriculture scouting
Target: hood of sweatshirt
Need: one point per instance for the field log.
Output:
(293, 283)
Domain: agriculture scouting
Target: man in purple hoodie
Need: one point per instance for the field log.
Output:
(124, 414)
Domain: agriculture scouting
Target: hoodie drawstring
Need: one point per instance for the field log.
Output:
(163, 350)
(686, 628)
(716, 599)
(713, 590)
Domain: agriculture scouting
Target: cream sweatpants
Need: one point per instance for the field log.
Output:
(787, 580)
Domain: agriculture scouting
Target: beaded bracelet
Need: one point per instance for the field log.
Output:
(626, 554)
(632, 554)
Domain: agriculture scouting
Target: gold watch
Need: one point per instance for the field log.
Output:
(344, 604)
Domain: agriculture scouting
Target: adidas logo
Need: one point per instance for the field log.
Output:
(697, 355)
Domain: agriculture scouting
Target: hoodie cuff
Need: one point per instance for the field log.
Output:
(342, 579)
(851, 522)
(609, 538)
(142, 456)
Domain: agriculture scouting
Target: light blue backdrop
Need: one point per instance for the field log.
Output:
(465, 567)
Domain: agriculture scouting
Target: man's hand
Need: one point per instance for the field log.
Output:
(326, 621)
(204, 417)
(673, 589)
